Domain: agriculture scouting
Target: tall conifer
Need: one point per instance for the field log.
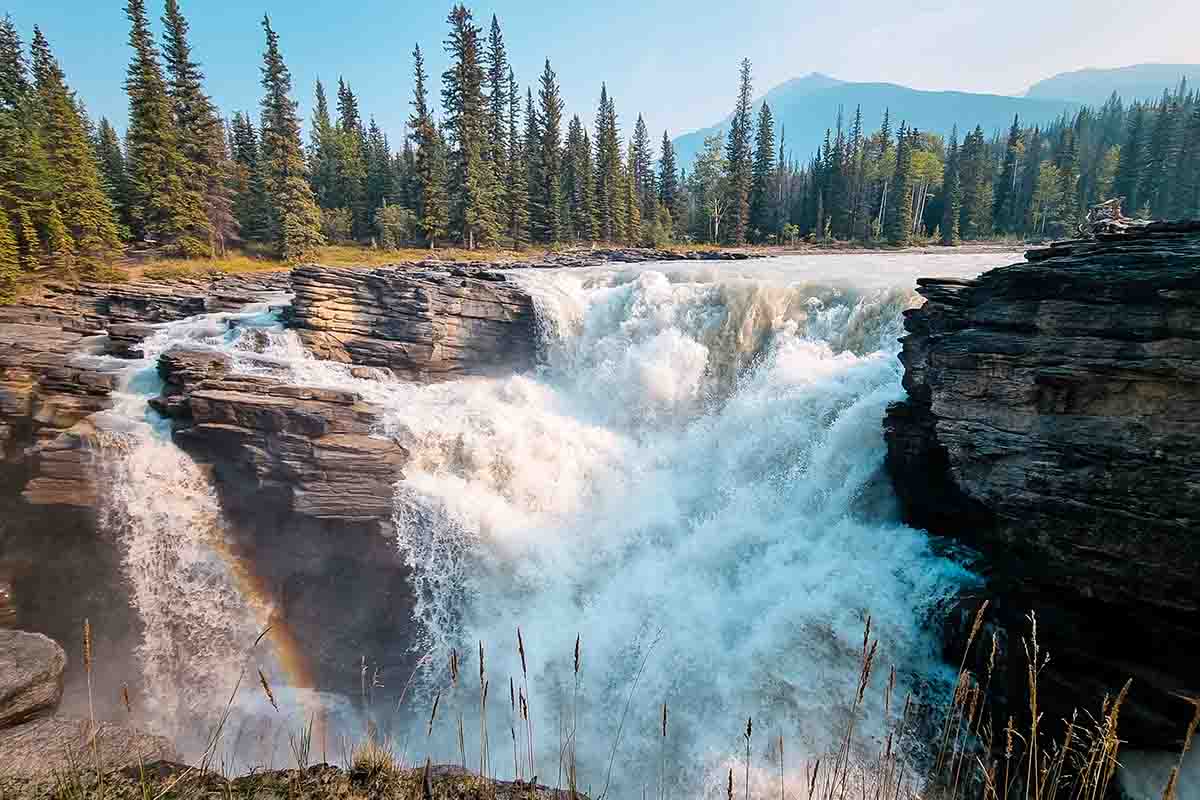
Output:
(86, 211)
(548, 199)
(762, 214)
(739, 155)
(433, 208)
(295, 220)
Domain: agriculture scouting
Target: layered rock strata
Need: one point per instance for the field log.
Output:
(1052, 423)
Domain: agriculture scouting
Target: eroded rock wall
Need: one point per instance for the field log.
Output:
(1053, 423)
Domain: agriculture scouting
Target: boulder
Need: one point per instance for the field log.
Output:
(423, 325)
(31, 676)
(1052, 423)
(57, 746)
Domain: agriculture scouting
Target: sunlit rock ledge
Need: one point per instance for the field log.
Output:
(1053, 423)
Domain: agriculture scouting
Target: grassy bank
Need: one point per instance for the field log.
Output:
(954, 752)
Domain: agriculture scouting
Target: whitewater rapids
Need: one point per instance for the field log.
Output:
(690, 483)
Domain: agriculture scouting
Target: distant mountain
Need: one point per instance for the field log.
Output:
(804, 107)
(1094, 86)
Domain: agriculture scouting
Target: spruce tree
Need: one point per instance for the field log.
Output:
(350, 166)
(295, 220)
(899, 227)
(1128, 182)
(379, 170)
(952, 193)
(588, 218)
(200, 135)
(163, 207)
(738, 154)
(111, 159)
(250, 206)
(547, 197)
(10, 260)
(668, 173)
(475, 203)
(498, 100)
(322, 151)
(573, 184)
(632, 216)
(1068, 167)
(642, 157)
(433, 209)
(26, 182)
(1005, 207)
(608, 169)
(516, 191)
(762, 215)
(85, 209)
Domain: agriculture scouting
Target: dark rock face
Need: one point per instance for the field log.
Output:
(424, 326)
(1052, 423)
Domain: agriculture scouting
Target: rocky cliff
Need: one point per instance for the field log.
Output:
(1052, 423)
(427, 325)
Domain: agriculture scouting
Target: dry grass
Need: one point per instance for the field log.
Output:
(975, 757)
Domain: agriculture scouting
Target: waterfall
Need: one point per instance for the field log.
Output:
(690, 482)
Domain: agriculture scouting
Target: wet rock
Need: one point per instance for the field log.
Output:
(31, 676)
(422, 325)
(1052, 422)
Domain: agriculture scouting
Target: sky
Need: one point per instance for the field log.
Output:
(674, 61)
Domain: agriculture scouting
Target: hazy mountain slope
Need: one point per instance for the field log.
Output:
(805, 107)
(1094, 86)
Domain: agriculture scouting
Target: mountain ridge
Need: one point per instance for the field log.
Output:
(805, 107)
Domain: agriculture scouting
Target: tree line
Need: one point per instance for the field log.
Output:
(495, 166)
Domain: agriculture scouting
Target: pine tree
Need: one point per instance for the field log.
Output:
(379, 170)
(250, 206)
(200, 135)
(1005, 207)
(952, 193)
(547, 197)
(532, 150)
(762, 214)
(433, 207)
(1161, 162)
(295, 220)
(975, 176)
(163, 207)
(608, 169)
(1068, 168)
(59, 246)
(574, 182)
(350, 165)
(642, 156)
(899, 227)
(498, 101)
(475, 203)
(84, 209)
(517, 192)
(111, 159)
(632, 201)
(322, 151)
(10, 260)
(1128, 182)
(1187, 201)
(738, 154)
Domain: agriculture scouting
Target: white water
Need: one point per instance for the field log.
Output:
(690, 480)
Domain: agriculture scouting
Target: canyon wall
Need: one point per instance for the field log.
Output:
(1053, 424)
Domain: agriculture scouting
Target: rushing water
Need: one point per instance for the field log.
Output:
(690, 484)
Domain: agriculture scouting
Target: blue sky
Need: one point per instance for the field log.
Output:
(675, 61)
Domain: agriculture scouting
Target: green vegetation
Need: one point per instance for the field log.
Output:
(188, 184)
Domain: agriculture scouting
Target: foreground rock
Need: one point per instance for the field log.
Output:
(31, 675)
(1052, 422)
(421, 325)
(34, 744)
